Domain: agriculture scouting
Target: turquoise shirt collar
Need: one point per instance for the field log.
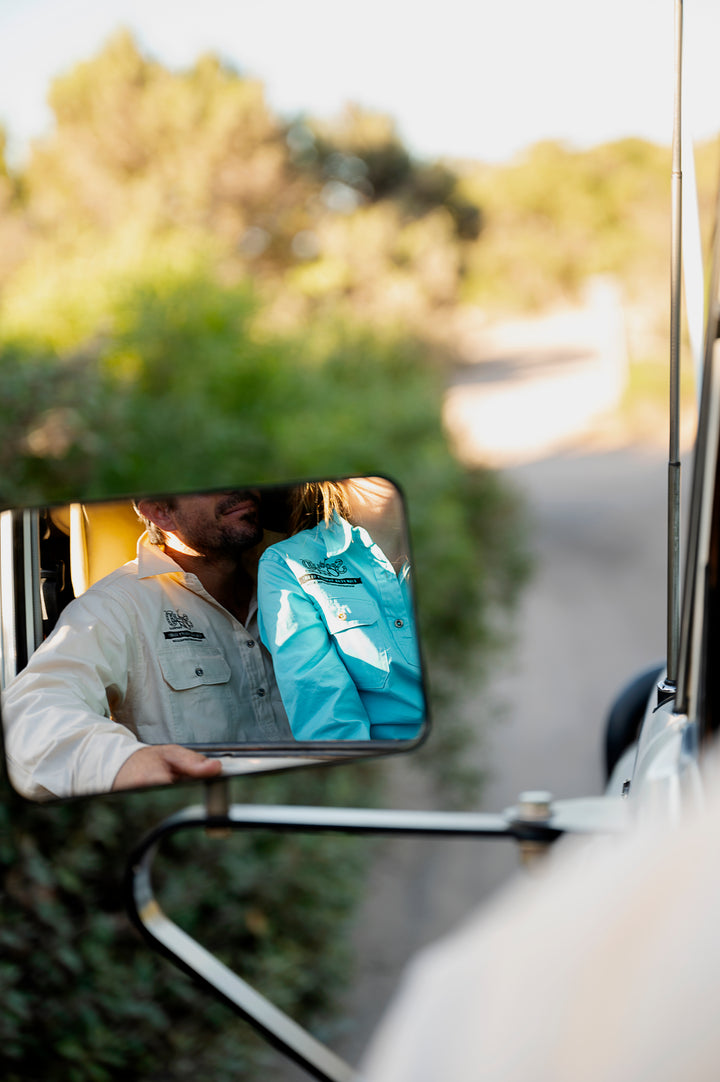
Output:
(337, 536)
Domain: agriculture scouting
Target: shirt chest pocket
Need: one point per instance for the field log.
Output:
(193, 668)
(359, 638)
(199, 696)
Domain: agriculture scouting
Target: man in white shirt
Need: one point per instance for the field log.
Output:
(162, 652)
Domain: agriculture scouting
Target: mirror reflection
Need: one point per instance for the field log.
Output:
(187, 635)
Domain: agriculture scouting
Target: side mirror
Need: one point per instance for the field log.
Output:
(197, 634)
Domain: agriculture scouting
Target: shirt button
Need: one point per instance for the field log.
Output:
(399, 623)
(261, 692)
(199, 672)
(250, 642)
(342, 616)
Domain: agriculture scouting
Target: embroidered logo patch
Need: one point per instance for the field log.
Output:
(327, 571)
(335, 569)
(177, 620)
(181, 625)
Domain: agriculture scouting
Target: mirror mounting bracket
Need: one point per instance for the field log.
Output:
(217, 805)
(525, 824)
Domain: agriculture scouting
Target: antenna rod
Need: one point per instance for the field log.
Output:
(673, 570)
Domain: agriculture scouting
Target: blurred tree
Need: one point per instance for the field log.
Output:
(4, 171)
(139, 147)
(363, 151)
(13, 228)
(362, 148)
(556, 216)
(194, 150)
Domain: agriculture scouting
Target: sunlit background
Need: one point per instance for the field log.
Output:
(480, 81)
(308, 238)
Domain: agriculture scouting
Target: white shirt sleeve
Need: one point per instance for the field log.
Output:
(60, 739)
(604, 967)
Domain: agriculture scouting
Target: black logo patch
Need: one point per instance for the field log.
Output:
(334, 569)
(324, 578)
(177, 620)
(181, 627)
(327, 571)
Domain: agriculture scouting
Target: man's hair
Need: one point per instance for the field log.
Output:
(156, 536)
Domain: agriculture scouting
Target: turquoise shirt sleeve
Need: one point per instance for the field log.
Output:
(321, 700)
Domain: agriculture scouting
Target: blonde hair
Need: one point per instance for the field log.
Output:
(316, 501)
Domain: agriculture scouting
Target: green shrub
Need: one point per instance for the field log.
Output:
(83, 996)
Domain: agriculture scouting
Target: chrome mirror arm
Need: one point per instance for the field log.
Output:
(528, 823)
(165, 936)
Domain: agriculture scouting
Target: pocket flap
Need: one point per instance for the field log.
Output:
(342, 613)
(192, 669)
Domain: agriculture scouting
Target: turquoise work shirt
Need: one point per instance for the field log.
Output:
(338, 622)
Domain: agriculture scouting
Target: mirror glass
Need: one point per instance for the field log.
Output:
(170, 636)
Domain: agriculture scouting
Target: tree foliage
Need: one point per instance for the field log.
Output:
(84, 997)
(304, 208)
(556, 216)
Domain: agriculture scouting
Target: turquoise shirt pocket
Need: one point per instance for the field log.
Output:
(356, 630)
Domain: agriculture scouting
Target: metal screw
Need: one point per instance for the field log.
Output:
(534, 805)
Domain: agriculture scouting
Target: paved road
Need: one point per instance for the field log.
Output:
(593, 615)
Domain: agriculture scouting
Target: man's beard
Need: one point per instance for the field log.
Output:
(225, 536)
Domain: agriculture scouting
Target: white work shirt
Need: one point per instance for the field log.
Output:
(145, 655)
(603, 967)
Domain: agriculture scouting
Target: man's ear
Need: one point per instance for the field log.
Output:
(158, 513)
